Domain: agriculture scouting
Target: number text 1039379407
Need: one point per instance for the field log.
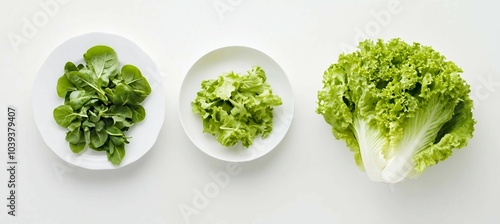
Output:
(11, 161)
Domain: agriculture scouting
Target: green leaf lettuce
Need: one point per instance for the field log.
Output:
(237, 107)
(399, 107)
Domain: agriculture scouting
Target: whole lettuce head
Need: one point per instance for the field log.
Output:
(399, 107)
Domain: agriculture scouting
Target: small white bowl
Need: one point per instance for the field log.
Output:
(238, 59)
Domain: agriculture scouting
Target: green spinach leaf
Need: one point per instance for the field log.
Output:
(77, 148)
(64, 86)
(118, 154)
(138, 113)
(78, 98)
(64, 115)
(132, 76)
(75, 136)
(103, 61)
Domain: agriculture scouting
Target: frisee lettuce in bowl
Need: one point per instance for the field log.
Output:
(101, 102)
(237, 107)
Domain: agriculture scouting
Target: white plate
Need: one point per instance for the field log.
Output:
(238, 59)
(45, 99)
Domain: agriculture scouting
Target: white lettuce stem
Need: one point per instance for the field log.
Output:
(370, 144)
(419, 133)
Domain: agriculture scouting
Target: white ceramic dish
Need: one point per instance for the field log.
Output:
(238, 59)
(45, 99)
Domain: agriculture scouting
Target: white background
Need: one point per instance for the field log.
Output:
(310, 177)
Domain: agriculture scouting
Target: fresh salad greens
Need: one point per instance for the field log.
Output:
(399, 107)
(237, 107)
(101, 102)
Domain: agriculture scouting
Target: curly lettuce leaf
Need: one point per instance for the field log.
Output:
(399, 107)
(237, 107)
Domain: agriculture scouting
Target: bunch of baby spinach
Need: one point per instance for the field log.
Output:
(101, 102)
